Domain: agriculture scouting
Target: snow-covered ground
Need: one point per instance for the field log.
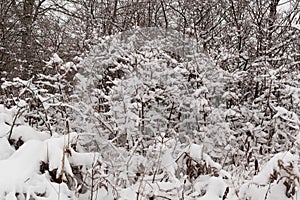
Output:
(43, 168)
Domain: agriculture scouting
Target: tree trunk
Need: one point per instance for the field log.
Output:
(26, 43)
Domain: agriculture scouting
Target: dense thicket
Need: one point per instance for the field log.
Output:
(239, 35)
(179, 97)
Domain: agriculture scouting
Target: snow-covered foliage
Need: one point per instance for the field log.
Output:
(39, 166)
(278, 179)
(146, 88)
(148, 115)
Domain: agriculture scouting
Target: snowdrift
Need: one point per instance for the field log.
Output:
(42, 166)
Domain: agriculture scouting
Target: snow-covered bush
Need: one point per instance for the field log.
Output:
(165, 121)
(41, 166)
(278, 179)
(43, 99)
(144, 82)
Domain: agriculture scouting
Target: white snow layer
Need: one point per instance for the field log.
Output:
(269, 183)
(20, 169)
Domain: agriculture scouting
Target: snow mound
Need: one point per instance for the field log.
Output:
(5, 149)
(278, 180)
(40, 169)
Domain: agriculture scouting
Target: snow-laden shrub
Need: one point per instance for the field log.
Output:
(42, 100)
(277, 180)
(144, 82)
(175, 171)
(40, 166)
